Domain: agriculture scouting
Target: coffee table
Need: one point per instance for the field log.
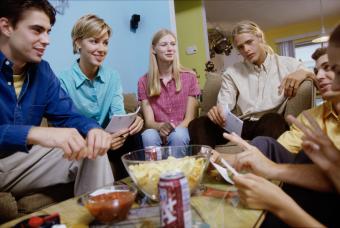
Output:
(208, 207)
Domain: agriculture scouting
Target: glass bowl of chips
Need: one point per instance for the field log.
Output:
(145, 166)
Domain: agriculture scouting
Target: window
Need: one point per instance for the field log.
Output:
(303, 52)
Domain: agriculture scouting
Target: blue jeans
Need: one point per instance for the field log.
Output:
(178, 137)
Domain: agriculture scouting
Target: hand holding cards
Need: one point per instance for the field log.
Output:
(233, 123)
(224, 168)
(119, 122)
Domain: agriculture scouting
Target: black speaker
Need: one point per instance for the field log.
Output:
(135, 18)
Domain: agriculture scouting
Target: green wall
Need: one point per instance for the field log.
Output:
(189, 23)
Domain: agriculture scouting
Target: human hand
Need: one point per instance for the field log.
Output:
(166, 128)
(98, 142)
(68, 139)
(216, 115)
(251, 159)
(118, 139)
(319, 148)
(291, 83)
(258, 193)
(136, 126)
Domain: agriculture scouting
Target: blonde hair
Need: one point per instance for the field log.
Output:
(251, 28)
(87, 26)
(153, 77)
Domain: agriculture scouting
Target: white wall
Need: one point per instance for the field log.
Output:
(128, 51)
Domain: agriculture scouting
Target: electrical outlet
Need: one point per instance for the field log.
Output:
(191, 50)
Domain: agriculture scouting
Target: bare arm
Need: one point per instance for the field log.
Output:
(320, 148)
(303, 175)
(191, 111)
(68, 139)
(258, 193)
(149, 116)
(75, 147)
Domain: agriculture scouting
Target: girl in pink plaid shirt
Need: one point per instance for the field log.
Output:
(168, 94)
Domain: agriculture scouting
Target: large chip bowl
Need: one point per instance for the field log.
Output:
(145, 166)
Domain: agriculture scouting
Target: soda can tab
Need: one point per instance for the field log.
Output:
(152, 153)
(174, 195)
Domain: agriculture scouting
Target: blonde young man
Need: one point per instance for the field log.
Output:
(256, 89)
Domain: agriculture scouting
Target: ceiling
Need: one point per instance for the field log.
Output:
(266, 13)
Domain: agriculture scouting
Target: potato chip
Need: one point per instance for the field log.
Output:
(147, 174)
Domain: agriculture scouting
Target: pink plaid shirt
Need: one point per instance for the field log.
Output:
(170, 106)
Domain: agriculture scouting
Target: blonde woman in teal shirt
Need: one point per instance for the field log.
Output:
(96, 90)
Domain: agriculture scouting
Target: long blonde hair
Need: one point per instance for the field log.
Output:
(251, 28)
(153, 77)
(87, 26)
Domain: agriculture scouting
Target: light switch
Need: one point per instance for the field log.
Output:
(191, 50)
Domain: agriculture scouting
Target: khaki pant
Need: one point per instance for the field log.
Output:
(22, 173)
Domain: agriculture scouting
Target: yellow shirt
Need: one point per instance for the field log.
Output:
(327, 119)
(18, 81)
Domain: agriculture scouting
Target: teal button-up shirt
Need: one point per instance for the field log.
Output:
(99, 98)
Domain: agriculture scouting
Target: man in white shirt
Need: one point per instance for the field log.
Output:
(256, 90)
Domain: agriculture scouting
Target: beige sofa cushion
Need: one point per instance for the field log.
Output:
(8, 207)
(130, 102)
(210, 91)
(304, 99)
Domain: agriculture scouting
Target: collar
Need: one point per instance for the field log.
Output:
(329, 111)
(264, 66)
(81, 77)
(5, 61)
(30, 67)
(170, 81)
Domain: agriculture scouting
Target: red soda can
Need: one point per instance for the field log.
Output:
(152, 154)
(174, 195)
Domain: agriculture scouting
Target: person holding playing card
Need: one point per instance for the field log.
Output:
(167, 94)
(96, 89)
(256, 90)
(322, 176)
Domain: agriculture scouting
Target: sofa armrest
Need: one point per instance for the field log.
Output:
(8, 207)
(303, 100)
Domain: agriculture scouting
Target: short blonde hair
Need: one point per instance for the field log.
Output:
(251, 28)
(87, 26)
(154, 86)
